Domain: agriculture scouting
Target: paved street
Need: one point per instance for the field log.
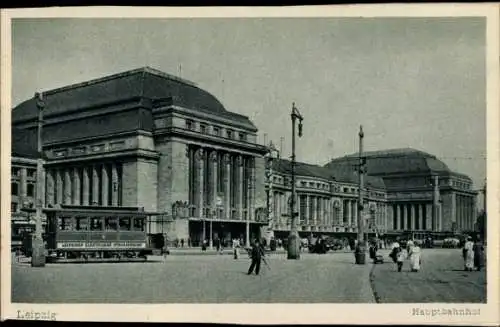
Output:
(197, 279)
(193, 278)
(441, 279)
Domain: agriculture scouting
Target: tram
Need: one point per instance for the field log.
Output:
(19, 230)
(93, 234)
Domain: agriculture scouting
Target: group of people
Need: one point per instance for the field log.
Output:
(473, 255)
(412, 252)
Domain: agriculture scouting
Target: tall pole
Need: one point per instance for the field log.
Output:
(38, 248)
(361, 227)
(269, 191)
(204, 232)
(293, 239)
(210, 237)
(435, 203)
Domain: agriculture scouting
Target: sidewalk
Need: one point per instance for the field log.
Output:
(198, 251)
(441, 279)
(229, 251)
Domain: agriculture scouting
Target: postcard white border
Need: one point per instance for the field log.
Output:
(267, 313)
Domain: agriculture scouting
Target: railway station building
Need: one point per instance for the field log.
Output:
(327, 201)
(411, 177)
(147, 139)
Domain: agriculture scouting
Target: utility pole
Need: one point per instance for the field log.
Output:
(361, 249)
(38, 247)
(269, 178)
(435, 203)
(293, 238)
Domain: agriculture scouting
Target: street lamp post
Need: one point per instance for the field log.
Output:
(435, 203)
(293, 238)
(210, 239)
(361, 248)
(38, 248)
(269, 174)
(204, 232)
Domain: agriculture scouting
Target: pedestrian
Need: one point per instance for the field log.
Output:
(468, 254)
(236, 248)
(478, 255)
(182, 243)
(415, 258)
(394, 251)
(256, 255)
(373, 251)
(165, 251)
(272, 244)
(400, 258)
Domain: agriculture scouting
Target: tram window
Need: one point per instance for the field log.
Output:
(125, 223)
(81, 223)
(139, 224)
(111, 223)
(65, 223)
(96, 223)
(30, 191)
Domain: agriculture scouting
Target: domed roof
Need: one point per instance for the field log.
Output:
(394, 161)
(143, 82)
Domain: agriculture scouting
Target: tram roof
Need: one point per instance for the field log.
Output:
(96, 209)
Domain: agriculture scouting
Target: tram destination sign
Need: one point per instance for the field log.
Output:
(100, 245)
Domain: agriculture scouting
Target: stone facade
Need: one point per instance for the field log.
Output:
(417, 184)
(325, 205)
(153, 141)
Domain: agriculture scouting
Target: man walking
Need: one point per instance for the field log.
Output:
(256, 255)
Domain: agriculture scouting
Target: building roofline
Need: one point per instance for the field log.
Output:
(98, 80)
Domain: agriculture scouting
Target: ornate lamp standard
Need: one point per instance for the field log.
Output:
(360, 252)
(293, 238)
(269, 174)
(38, 248)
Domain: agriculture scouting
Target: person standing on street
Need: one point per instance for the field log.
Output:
(478, 255)
(468, 254)
(415, 258)
(256, 255)
(236, 248)
(400, 257)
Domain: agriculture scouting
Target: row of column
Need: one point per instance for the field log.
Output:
(465, 209)
(381, 217)
(377, 217)
(238, 175)
(350, 214)
(90, 185)
(279, 203)
(414, 216)
(313, 210)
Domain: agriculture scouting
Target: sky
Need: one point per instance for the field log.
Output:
(411, 82)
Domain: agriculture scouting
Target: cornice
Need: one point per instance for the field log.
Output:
(110, 136)
(207, 139)
(213, 117)
(135, 153)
